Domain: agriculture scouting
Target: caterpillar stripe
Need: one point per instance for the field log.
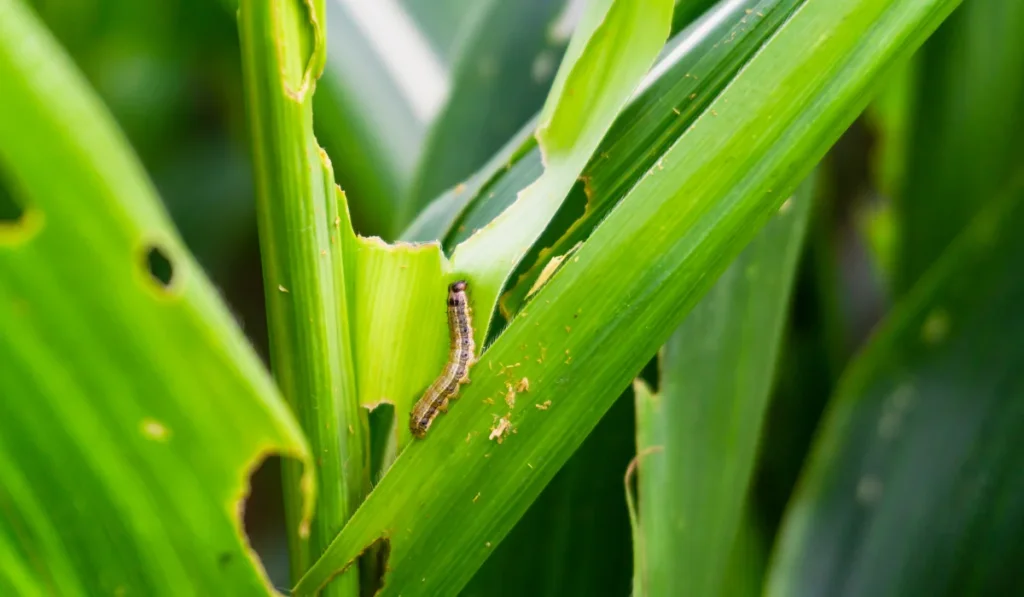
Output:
(456, 371)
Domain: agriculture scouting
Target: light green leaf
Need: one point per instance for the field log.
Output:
(400, 304)
(131, 406)
(307, 268)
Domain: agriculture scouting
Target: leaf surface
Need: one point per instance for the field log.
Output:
(914, 484)
(131, 406)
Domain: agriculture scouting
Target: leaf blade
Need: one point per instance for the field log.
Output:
(121, 468)
(924, 415)
(697, 437)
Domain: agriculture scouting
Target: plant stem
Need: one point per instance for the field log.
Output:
(310, 353)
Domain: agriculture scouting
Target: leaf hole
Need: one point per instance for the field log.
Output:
(383, 446)
(159, 265)
(263, 521)
(373, 568)
(18, 222)
(11, 211)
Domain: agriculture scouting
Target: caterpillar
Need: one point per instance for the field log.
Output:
(461, 350)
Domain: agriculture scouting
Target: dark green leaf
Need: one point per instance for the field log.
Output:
(915, 483)
(966, 127)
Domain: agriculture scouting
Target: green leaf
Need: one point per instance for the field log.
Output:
(437, 221)
(500, 76)
(693, 69)
(697, 437)
(131, 406)
(695, 66)
(586, 333)
(400, 304)
(306, 264)
(914, 483)
(746, 567)
(966, 128)
(611, 50)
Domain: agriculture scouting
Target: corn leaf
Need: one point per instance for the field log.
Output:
(697, 437)
(914, 483)
(131, 406)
